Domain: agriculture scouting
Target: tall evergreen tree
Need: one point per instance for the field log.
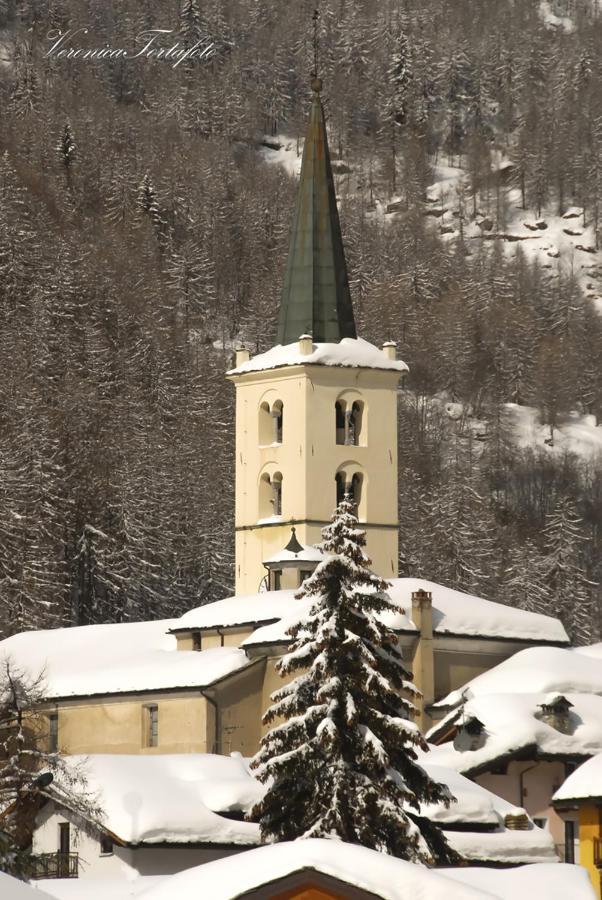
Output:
(342, 764)
(570, 592)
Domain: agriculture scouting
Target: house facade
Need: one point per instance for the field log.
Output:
(519, 732)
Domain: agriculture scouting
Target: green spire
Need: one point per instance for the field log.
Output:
(315, 297)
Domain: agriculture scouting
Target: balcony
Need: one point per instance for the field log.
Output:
(55, 865)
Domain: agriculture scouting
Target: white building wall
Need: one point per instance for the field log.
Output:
(124, 862)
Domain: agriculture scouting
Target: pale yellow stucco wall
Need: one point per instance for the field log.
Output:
(239, 701)
(116, 724)
(309, 458)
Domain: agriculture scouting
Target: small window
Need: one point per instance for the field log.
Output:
(277, 415)
(106, 845)
(341, 487)
(354, 424)
(265, 425)
(356, 491)
(196, 640)
(339, 410)
(64, 838)
(541, 823)
(277, 494)
(569, 841)
(152, 725)
(276, 579)
(53, 732)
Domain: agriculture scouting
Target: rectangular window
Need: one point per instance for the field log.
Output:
(277, 579)
(53, 732)
(569, 841)
(64, 837)
(196, 640)
(151, 725)
(106, 845)
(64, 848)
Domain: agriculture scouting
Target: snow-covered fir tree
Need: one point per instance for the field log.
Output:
(570, 591)
(341, 762)
(66, 147)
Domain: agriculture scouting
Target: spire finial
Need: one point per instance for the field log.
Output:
(316, 81)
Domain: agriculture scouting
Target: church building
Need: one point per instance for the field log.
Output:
(316, 417)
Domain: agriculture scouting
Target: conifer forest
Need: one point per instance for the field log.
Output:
(144, 224)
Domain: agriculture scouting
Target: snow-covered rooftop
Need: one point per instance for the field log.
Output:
(477, 807)
(190, 790)
(173, 798)
(382, 875)
(454, 613)
(12, 889)
(536, 669)
(584, 783)
(117, 659)
(350, 352)
(457, 613)
(594, 650)
(511, 724)
(306, 554)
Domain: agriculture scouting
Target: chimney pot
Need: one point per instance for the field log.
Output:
(242, 356)
(390, 349)
(306, 345)
(422, 598)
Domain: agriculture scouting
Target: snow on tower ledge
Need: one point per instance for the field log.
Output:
(353, 353)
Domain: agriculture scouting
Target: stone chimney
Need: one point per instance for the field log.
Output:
(390, 349)
(242, 356)
(306, 345)
(423, 663)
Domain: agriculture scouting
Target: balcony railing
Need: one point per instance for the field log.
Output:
(55, 865)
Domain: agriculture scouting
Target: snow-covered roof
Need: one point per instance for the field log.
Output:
(13, 889)
(350, 352)
(512, 724)
(97, 888)
(247, 609)
(594, 650)
(173, 798)
(307, 554)
(457, 613)
(117, 659)
(477, 807)
(382, 875)
(584, 783)
(536, 669)
(454, 613)
(177, 798)
(554, 882)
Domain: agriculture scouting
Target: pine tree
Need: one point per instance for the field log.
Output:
(66, 147)
(343, 763)
(569, 589)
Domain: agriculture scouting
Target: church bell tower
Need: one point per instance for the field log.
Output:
(316, 416)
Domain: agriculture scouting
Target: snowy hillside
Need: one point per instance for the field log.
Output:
(560, 243)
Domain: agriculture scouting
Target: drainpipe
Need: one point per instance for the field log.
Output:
(521, 782)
